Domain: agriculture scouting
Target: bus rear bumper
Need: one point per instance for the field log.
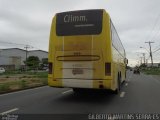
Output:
(81, 83)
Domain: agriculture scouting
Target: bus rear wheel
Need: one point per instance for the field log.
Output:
(78, 90)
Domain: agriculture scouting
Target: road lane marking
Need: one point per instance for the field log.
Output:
(67, 91)
(126, 84)
(122, 94)
(129, 78)
(9, 111)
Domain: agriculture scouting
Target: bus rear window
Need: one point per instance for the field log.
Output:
(85, 22)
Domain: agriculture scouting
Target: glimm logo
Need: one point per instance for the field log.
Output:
(72, 18)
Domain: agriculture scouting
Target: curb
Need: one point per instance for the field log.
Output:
(10, 91)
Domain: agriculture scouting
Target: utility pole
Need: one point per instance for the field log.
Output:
(141, 60)
(26, 47)
(144, 57)
(149, 42)
(146, 61)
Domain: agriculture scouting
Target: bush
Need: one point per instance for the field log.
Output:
(44, 81)
(4, 87)
(7, 76)
(23, 84)
(152, 71)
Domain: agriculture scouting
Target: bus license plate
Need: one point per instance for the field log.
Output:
(77, 71)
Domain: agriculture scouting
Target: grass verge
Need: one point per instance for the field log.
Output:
(152, 71)
(21, 84)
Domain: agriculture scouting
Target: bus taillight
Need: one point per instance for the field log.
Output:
(50, 66)
(107, 68)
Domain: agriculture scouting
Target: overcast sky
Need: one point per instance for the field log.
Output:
(28, 22)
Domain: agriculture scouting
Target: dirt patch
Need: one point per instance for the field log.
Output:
(9, 83)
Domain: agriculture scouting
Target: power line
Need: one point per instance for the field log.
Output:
(13, 43)
(157, 47)
(19, 44)
(155, 23)
(156, 50)
(156, 33)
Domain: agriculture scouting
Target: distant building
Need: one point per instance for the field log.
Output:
(15, 57)
(154, 64)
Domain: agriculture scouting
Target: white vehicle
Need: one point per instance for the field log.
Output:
(2, 70)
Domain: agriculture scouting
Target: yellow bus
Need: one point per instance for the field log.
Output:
(85, 51)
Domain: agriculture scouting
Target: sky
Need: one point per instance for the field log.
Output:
(27, 22)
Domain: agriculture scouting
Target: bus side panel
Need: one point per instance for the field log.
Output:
(105, 46)
(51, 56)
(116, 68)
(118, 58)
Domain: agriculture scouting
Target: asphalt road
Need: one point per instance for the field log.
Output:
(139, 94)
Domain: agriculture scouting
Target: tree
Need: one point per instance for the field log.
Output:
(32, 62)
(44, 63)
(143, 65)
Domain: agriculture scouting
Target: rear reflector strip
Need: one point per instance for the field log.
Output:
(108, 69)
(78, 58)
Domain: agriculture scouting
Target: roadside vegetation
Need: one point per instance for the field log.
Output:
(17, 80)
(34, 75)
(151, 71)
(146, 70)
